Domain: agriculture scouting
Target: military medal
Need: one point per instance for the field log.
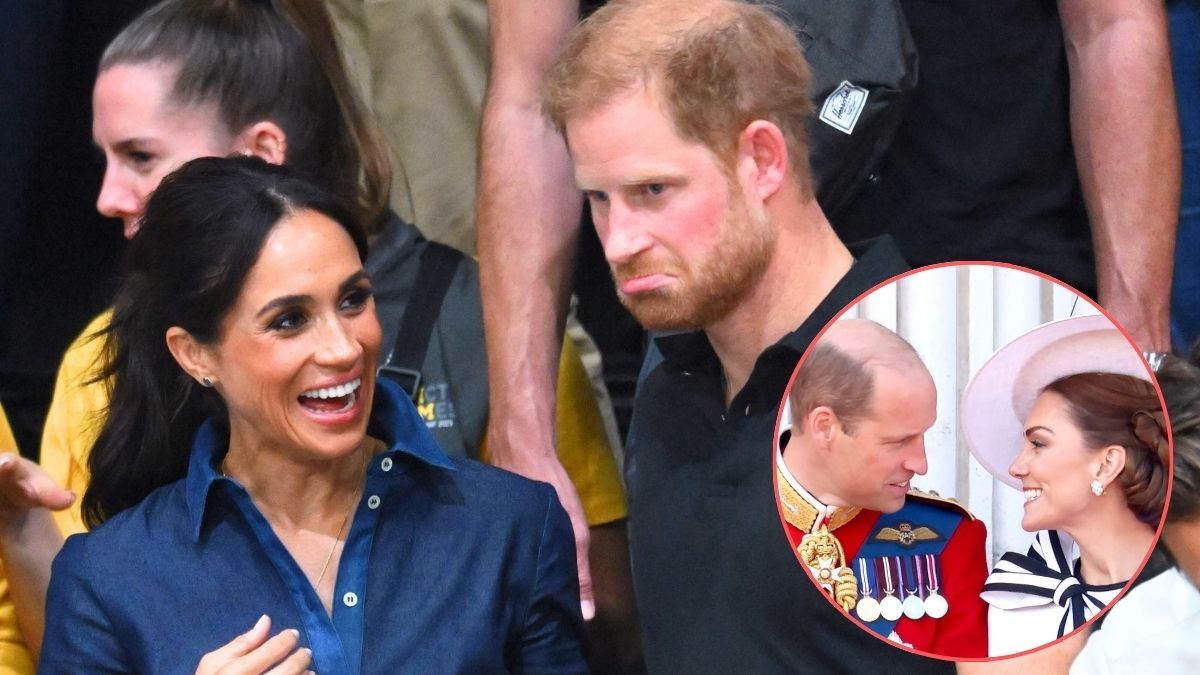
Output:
(936, 606)
(890, 607)
(868, 607)
(913, 607)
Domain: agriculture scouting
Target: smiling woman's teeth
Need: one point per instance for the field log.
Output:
(1032, 494)
(335, 392)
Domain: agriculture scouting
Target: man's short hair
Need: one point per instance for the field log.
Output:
(840, 371)
(832, 378)
(716, 65)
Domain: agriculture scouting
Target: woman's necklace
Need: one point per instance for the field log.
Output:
(338, 537)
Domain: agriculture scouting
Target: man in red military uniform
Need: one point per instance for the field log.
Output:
(906, 565)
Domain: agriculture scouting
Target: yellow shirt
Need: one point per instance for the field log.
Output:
(14, 658)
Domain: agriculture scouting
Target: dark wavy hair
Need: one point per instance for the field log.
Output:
(1123, 410)
(274, 60)
(201, 234)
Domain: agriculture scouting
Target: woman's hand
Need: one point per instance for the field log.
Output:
(252, 653)
(25, 485)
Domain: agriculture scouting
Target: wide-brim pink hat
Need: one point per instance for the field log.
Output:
(1000, 395)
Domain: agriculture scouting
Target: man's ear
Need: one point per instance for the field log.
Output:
(763, 155)
(822, 425)
(1111, 463)
(195, 358)
(265, 140)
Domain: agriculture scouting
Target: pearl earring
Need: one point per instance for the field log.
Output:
(1097, 487)
(209, 383)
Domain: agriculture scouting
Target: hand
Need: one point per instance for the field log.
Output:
(24, 485)
(252, 653)
(549, 470)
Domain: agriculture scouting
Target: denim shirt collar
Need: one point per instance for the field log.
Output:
(394, 420)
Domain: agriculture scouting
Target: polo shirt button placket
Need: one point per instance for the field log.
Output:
(373, 502)
(386, 464)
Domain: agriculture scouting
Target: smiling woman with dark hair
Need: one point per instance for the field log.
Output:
(1068, 415)
(1154, 627)
(252, 470)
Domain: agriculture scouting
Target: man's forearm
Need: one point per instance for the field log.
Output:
(1126, 136)
(528, 216)
(527, 213)
(527, 219)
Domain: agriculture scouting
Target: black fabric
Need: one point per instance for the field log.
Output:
(982, 166)
(58, 256)
(719, 588)
(436, 269)
(855, 45)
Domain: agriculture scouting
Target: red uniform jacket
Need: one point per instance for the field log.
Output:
(962, 632)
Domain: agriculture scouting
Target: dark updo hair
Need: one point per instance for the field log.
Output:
(202, 232)
(1180, 382)
(1123, 410)
(274, 60)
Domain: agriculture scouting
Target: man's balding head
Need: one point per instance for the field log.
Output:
(861, 405)
(841, 370)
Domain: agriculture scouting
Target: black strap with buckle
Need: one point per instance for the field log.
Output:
(434, 272)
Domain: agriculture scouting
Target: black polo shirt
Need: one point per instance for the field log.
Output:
(719, 589)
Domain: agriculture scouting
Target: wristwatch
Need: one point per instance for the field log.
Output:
(1155, 359)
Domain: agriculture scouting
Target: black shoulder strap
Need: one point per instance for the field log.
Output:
(434, 272)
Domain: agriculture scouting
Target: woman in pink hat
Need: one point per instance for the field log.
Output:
(1067, 413)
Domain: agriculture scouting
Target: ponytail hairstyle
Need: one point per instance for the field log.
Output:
(1122, 410)
(275, 60)
(201, 235)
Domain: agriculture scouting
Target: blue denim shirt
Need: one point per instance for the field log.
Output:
(449, 566)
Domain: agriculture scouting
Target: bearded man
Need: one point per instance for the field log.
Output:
(686, 124)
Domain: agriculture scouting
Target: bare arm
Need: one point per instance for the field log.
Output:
(29, 540)
(1126, 135)
(527, 213)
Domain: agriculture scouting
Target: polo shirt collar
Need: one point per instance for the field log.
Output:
(394, 420)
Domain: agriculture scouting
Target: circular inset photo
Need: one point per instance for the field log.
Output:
(973, 461)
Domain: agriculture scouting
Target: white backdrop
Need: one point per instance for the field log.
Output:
(955, 317)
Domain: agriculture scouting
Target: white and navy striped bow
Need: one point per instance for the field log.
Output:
(1049, 573)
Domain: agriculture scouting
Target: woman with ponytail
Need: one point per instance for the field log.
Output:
(1069, 415)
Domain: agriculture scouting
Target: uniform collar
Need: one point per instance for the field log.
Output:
(804, 511)
(394, 420)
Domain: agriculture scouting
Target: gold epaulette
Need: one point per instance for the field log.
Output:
(932, 497)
